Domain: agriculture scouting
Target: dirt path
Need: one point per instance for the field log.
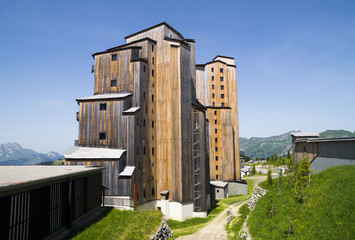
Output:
(216, 228)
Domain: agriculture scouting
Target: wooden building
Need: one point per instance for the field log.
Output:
(323, 153)
(216, 88)
(145, 125)
(42, 202)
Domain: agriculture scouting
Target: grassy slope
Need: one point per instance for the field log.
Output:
(118, 224)
(192, 225)
(328, 211)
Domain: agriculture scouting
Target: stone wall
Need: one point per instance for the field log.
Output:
(163, 232)
(237, 188)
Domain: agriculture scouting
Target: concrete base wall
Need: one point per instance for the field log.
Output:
(237, 188)
(321, 163)
(175, 210)
(124, 202)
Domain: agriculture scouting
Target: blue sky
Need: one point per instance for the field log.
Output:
(295, 60)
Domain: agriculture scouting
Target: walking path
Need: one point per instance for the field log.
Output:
(216, 228)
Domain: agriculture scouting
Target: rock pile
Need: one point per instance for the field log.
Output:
(163, 232)
(258, 193)
(244, 231)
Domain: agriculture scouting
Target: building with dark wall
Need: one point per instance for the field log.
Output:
(323, 153)
(39, 202)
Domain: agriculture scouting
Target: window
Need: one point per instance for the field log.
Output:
(212, 86)
(215, 130)
(212, 95)
(217, 167)
(152, 98)
(144, 151)
(146, 109)
(113, 83)
(215, 121)
(114, 57)
(144, 193)
(221, 78)
(102, 106)
(212, 78)
(211, 69)
(152, 48)
(213, 104)
(152, 124)
(152, 73)
(216, 139)
(153, 151)
(222, 95)
(153, 192)
(221, 70)
(217, 176)
(218, 190)
(144, 68)
(153, 60)
(222, 104)
(304, 148)
(216, 158)
(143, 95)
(216, 148)
(222, 87)
(215, 112)
(143, 122)
(102, 135)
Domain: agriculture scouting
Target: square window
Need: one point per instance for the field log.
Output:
(103, 106)
(114, 57)
(113, 83)
(216, 158)
(217, 167)
(102, 135)
(211, 69)
(213, 104)
(222, 104)
(215, 121)
(216, 140)
(217, 189)
(212, 86)
(222, 95)
(221, 70)
(216, 148)
(212, 95)
(216, 176)
(212, 78)
(222, 87)
(215, 112)
(221, 78)
(215, 130)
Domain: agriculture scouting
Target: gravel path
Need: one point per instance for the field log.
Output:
(216, 228)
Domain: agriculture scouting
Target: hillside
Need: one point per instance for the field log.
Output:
(328, 211)
(265, 147)
(14, 154)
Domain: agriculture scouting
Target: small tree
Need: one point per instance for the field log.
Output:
(253, 170)
(288, 154)
(269, 177)
(302, 178)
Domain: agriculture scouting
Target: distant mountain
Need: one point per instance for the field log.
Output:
(14, 154)
(265, 147)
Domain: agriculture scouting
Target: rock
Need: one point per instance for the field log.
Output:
(257, 194)
(163, 232)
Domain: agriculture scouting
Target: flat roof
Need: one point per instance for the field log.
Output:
(77, 153)
(127, 172)
(108, 96)
(304, 134)
(347, 139)
(131, 111)
(13, 177)
(218, 183)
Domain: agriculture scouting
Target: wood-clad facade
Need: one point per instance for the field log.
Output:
(216, 88)
(145, 103)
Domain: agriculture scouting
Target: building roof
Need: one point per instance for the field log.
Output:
(304, 134)
(222, 57)
(155, 26)
(347, 139)
(245, 169)
(127, 172)
(77, 153)
(108, 96)
(14, 177)
(131, 111)
(219, 183)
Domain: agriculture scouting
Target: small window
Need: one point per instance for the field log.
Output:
(146, 109)
(114, 57)
(216, 148)
(153, 60)
(221, 70)
(213, 104)
(137, 150)
(103, 106)
(212, 78)
(304, 148)
(215, 121)
(113, 83)
(217, 167)
(152, 124)
(144, 193)
(152, 48)
(152, 98)
(222, 87)
(217, 189)
(153, 192)
(216, 158)
(212, 86)
(211, 69)
(222, 95)
(216, 139)
(153, 151)
(222, 104)
(215, 130)
(212, 95)
(144, 68)
(221, 78)
(143, 95)
(144, 151)
(215, 112)
(217, 176)
(143, 122)
(102, 135)
(152, 73)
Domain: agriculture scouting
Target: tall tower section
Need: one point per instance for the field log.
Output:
(216, 88)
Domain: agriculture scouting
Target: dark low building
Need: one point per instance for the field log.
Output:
(39, 202)
(323, 153)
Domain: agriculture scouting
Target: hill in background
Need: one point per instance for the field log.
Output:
(14, 154)
(265, 147)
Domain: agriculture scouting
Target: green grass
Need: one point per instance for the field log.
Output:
(120, 224)
(192, 225)
(327, 213)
